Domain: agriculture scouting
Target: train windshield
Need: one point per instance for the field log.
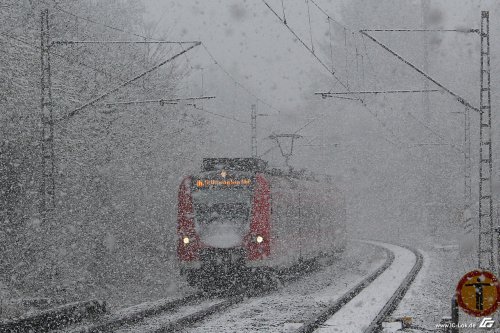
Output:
(222, 216)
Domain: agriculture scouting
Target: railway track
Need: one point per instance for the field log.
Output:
(136, 315)
(293, 305)
(173, 322)
(319, 319)
(180, 314)
(391, 305)
(172, 316)
(297, 311)
(375, 325)
(55, 318)
(166, 316)
(176, 322)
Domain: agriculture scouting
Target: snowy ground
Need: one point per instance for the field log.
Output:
(356, 315)
(151, 324)
(281, 310)
(294, 303)
(426, 301)
(429, 297)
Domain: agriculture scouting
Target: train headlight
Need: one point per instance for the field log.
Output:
(185, 240)
(259, 239)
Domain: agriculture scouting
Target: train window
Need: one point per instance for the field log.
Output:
(209, 213)
(222, 216)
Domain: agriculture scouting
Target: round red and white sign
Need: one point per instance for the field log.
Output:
(478, 293)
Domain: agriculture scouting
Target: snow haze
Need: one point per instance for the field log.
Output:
(120, 153)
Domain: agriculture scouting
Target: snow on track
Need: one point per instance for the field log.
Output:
(357, 315)
(154, 323)
(287, 308)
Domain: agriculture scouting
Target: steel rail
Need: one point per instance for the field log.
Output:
(56, 318)
(313, 323)
(196, 317)
(189, 320)
(376, 325)
(112, 323)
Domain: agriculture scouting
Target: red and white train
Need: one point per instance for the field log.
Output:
(237, 216)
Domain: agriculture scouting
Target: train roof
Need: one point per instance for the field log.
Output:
(242, 164)
(252, 165)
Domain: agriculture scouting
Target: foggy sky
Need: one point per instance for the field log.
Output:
(257, 50)
(261, 54)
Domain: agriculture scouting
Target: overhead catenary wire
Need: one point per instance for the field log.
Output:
(332, 72)
(159, 101)
(107, 74)
(423, 30)
(194, 106)
(307, 124)
(363, 80)
(248, 91)
(365, 34)
(310, 25)
(375, 92)
(427, 76)
(69, 42)
(58, 7)
(429, 128)
(145, 42)
(134, 33)
(357, 60)
(346, 59)
(283, 9)
(192, 68)
(370, 62)
(97, 70)
(329, 16)
(330, 40)
(102, 96)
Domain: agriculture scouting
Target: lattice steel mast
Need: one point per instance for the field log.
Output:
(47, 173)
(486, 252)
(47, 182)
(253, 124)
(468, 225)
(254, 130)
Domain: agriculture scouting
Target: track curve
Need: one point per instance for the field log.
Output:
(183, 313)
(355, 314)
(391, 305)
(316, 321)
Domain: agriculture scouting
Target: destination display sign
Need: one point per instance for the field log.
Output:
(223, 182)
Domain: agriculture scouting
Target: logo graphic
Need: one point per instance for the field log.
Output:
(486, 322)
(478, 294)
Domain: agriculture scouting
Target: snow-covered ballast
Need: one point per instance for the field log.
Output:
(236, 214)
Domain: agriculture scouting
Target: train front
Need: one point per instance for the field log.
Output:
(217, 231)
